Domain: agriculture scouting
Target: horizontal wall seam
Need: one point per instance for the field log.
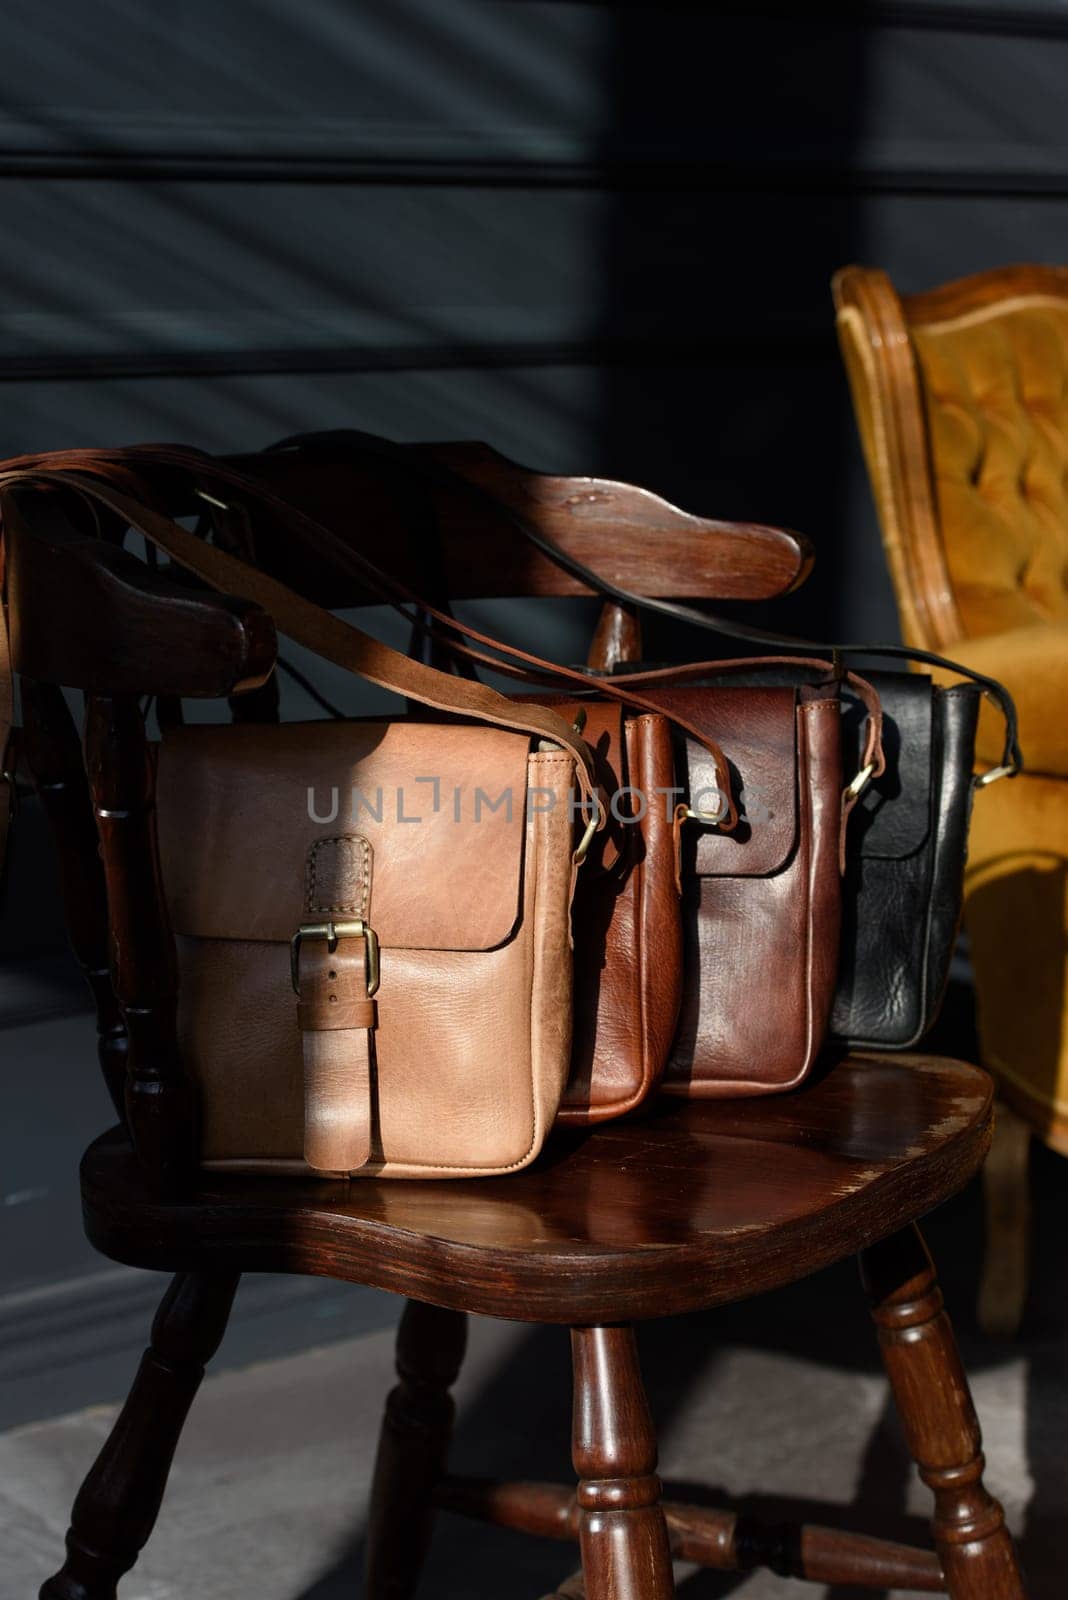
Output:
(771, 176)
(98, 366)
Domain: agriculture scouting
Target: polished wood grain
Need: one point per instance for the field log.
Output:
(617, 638)
(88, 615)
(935, 1406)
(633, 537)
(119, 1501)
(160, 1100)
(879, 360)
(717, 1539)
(412, 1447)
(697, 1204)
(622, 1532)
(54, 755)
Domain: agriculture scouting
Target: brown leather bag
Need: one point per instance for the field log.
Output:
(761, 906)
(430, 1031)
(626, 918)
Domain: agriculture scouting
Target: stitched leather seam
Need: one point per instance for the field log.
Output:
(358, 907)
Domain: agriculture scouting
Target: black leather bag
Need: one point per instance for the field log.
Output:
(904, 876)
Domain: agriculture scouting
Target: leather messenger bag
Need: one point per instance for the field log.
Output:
(761, 905)
(361, 993)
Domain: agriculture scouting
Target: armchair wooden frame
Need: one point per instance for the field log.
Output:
(697, 1205)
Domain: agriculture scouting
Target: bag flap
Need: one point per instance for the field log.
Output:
(893, 816)
(756, 728)
(442, 806)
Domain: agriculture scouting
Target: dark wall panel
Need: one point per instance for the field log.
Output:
(597, 235)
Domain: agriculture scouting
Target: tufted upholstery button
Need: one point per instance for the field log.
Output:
(996, 397)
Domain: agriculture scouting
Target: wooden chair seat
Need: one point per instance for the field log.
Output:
(696, 1204)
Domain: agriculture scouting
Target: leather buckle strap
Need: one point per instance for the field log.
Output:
(332, 931)
(334, 966)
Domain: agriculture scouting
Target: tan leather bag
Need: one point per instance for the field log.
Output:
(430, 1031)
(432, 1037)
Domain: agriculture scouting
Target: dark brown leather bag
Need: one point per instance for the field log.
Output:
(761, 906)
(626, 918)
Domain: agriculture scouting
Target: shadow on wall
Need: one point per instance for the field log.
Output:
(730, 206)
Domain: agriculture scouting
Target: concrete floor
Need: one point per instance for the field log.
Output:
(779, 1402)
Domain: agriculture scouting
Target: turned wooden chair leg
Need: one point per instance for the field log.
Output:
(941, 1428)
(1007, 1252)
(412, 1447)
(118, 1503)
(622, 1530)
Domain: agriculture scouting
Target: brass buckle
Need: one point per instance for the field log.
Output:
(1004, 771)
(860, 782)
(332, 931)
(599, 815)
(687, 813)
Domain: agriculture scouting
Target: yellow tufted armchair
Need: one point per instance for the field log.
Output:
(961, 397)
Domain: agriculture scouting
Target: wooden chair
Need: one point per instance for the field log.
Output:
(693, 1206)
(960, 398)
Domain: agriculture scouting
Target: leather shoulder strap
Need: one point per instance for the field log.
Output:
(370, 444)
(319, 630)
(223, 477)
